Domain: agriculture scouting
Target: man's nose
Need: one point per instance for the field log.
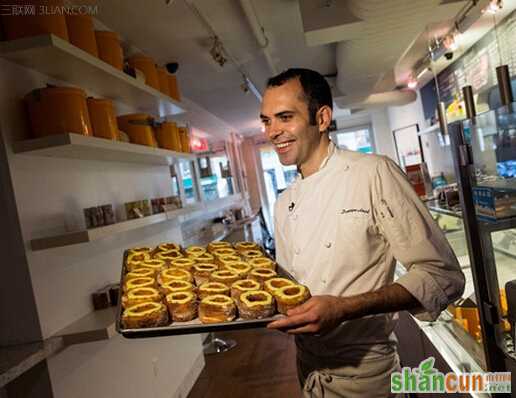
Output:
(273, 131)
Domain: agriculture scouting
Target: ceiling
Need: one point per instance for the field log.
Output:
(365, 41)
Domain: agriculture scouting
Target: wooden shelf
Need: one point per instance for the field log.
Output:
(89, 235)
(61, 60)
(97, 325)
(77, 146)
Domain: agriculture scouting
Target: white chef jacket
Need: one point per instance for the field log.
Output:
(340, 231)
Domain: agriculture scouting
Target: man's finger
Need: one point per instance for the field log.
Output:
(300, 308)
(291, 321)
(311, 328)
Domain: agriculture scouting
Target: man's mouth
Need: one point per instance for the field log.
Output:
(283, 147)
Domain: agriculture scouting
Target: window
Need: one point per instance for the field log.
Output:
(216, 179)
(187, 171)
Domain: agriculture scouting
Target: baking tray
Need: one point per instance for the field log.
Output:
(191, 327)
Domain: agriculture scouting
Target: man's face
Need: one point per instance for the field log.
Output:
(285, 116)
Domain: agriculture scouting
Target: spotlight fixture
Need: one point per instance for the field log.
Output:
(493, 7)
(217, 51)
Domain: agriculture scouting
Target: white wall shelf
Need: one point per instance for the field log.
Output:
(89, 235)
(77, 146)
(61, 60)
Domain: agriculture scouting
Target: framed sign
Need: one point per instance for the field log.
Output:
(407, 142)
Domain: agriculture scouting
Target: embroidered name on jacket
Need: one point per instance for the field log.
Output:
(346, 211)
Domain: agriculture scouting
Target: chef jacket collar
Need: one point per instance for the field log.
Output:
(331, 151)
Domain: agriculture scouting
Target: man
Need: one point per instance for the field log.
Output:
(339, 229)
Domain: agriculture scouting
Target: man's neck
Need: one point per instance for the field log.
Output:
(314, 163)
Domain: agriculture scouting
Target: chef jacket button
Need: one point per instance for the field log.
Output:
(324, 281)
(297, 251)
(328, 245)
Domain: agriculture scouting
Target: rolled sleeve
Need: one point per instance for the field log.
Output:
(433, 275)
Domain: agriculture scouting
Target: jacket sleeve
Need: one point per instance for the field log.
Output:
(433, 275)
(279, 237)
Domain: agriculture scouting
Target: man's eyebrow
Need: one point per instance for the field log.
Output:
(284, 113)
(262, 116)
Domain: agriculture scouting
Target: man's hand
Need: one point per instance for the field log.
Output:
(318, 315)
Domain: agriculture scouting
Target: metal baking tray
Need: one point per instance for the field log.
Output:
(194, 326)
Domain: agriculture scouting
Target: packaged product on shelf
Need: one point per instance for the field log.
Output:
(185, 139)
(138, 209)
(173, 87)
(164, 86)
(109, 48)
(90, 217)
(139, 128)
(72, 117)
(495, 202)
(102, 117)
(168, 137)
(109, 214)
(148, 66)
(81, 33)
(173, 202)
(37, 23)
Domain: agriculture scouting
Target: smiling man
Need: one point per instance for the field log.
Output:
(339, 229)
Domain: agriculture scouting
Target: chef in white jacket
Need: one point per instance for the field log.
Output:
(339, 229)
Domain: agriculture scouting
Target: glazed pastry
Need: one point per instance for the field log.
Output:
(250, 254)
(184, 263)
(255, 304)
(139, 282)
(262, 274)
(139, 250)
(211, 288)
(289, 297)
(174, 274)
(139, 273)
(176, 286)
(154, 264)
(216, 309)
(168, 246)
(202, 272)
(133, 260)
(194, 251)
(140, 295)
(145, 315)
(223, 260)
(182, 306)
(262, 262)
(225, 251)
(274, 284)
(241, 268)
(241, 286)
(168, 256)
(205, 258)
(224, 276)
(218, 245)
(243, 246)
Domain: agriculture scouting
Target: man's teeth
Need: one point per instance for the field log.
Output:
(283, 144)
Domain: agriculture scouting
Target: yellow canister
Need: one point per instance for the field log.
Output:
(103, 119)
(185, 139)
(81, 33)
(41, 17)
(163, 81)
(58, 110)
(167, 135)
(148, 67)
(138, 126)
(109, 48)
(173, 87)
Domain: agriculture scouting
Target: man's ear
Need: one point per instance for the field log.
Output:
(324, 115)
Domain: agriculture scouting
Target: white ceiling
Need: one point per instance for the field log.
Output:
(365, 40)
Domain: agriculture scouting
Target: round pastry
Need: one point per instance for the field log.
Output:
(241, 286)
(243, 246)
(204, 258)
(256, 304)
(174, 274)
(145, 315)
(140, 273)
(182, 306)
(176, 286)
(227, 259)
(224, 276)
(168, 256)
(184, 263)
(241, 268)
(262, 274)
(211, 288)
(155, 264)
(202, 272)
(217, 308)
(262, 262)
(289, 297)
(274, 284)
(140, 295)
(225, 251)
(218, 245)
(139, 250)
(249, 254)
(134, 259)
(139, 282)
(168, 246)
(194, 251)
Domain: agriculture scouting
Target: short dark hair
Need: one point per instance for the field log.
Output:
(316, 89)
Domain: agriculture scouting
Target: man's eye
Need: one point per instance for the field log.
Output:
(266, 122)
(285, 118)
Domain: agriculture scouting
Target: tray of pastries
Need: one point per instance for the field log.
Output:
(171, 290)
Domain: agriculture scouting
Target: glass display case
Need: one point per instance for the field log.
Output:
(484, 152)
(189, 179)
